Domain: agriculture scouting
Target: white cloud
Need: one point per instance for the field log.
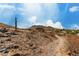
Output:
(32, 20)
(39, 24)
(54, 24)
(49, 23)
(32, 9)
(74, 9)
(75, 26)
(6, 6)
(58, 25)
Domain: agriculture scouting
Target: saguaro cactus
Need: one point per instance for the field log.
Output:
(15, 23)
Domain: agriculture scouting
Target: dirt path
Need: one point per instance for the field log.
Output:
(59, 47)
(62, 46)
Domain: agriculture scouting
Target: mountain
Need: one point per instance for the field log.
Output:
(39, 41)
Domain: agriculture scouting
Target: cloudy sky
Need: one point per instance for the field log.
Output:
(62, 15)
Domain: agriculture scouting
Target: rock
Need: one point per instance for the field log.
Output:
(3, 49)
(77, 34)
(3, 35)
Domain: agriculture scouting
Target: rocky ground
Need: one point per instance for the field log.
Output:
(38, 41)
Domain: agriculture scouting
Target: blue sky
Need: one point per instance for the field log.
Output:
(58, 15)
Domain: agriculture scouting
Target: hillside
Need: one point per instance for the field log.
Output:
(39, 40)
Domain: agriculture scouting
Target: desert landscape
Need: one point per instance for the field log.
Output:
(38, 40)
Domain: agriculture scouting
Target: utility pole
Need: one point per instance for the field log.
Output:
(15, 24)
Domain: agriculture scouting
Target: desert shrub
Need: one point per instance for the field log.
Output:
(3, 30)
(72, 31)
(57, 30)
